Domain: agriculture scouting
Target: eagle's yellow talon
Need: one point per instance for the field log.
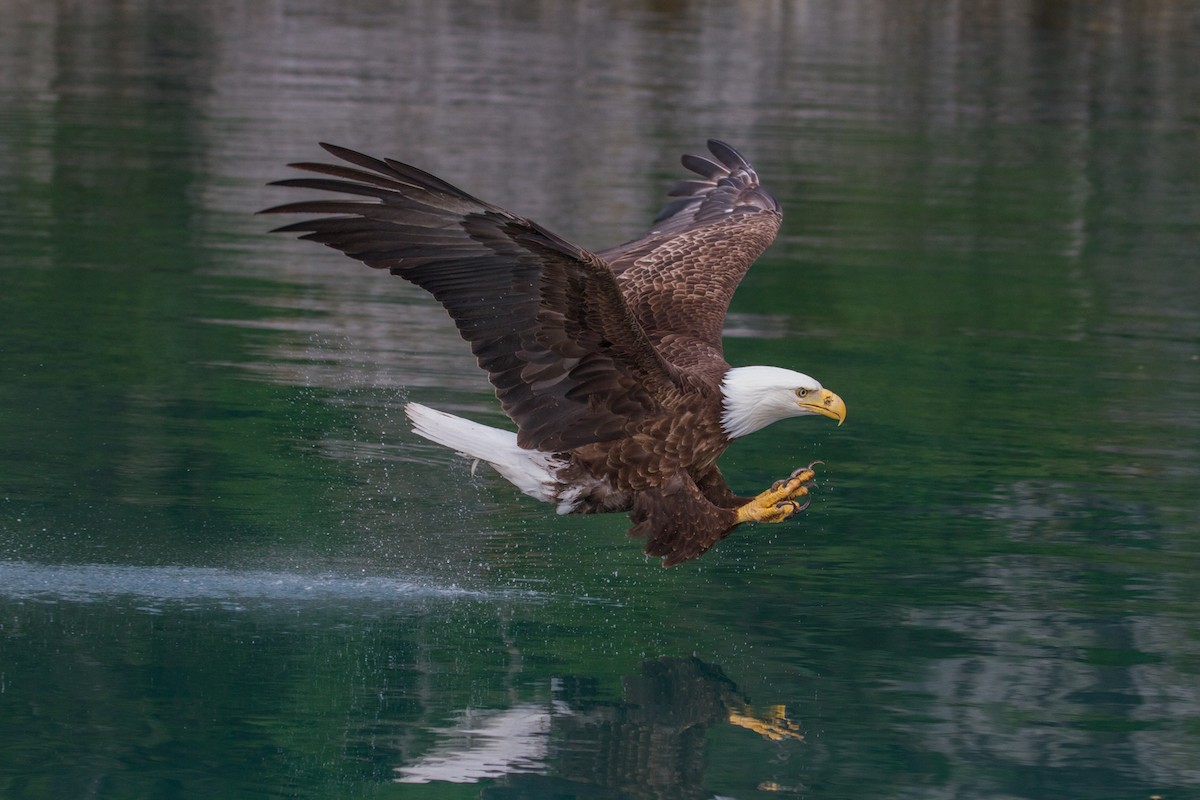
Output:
(798, 507)
(796, 485)
(774, 724)
(780, 501)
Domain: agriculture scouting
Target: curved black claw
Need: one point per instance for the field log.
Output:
(799, 470)
(796, 507)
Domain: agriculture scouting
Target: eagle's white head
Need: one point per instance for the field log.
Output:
(754, 397)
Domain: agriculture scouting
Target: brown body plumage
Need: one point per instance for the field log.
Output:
(609, 363)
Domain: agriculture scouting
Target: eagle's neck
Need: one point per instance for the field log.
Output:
(754, 397)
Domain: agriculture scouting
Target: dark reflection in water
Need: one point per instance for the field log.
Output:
(333, 685)
(226, 567)
(649, 743)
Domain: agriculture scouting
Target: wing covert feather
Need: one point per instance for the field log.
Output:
(704, 240)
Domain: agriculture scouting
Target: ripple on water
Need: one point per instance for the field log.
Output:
(155, 586)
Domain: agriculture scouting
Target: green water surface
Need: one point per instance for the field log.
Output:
(228, 569)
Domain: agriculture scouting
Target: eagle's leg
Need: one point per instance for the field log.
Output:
(781, 500)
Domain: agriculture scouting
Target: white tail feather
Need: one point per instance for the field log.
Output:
(531, 471)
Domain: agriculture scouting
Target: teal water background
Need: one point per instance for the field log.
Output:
(227, 568)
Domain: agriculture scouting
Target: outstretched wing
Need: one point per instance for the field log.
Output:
(680, 275)
(570, 362)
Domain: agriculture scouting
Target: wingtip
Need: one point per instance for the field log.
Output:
(282, 181)
(276, 209)
(344, 153)
(727, 154)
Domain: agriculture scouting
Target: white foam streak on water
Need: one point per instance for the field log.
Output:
(22, 580)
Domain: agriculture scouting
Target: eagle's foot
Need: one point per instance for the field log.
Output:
(795, 485)
(781, 500)
(753, 512)
(774, 724)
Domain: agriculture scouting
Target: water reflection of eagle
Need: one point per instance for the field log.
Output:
(650, 742)
(609, 363)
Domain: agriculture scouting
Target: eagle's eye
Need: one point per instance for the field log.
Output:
(802, 393)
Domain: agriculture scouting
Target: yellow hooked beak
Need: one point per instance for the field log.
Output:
(825, 403)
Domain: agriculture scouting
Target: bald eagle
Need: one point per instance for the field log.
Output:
(609, 362)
